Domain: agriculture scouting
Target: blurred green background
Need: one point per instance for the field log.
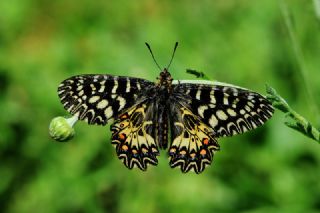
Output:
(247, 43)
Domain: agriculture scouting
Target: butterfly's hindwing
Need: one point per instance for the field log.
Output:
(98, 98)
(134, 138)
(228, 110)
(193, 143)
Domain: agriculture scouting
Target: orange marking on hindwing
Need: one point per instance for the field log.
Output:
(182, 152)
(124, 116)
(203, 152)
(124, 148)
(122, 136)
(193, 155)
(205, 141)
(173, 150)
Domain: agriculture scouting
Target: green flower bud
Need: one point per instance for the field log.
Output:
(61, 129)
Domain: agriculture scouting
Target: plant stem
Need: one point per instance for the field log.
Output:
(299, 55)
(296, 122)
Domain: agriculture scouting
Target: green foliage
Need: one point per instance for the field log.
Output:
(299, 123)
(246, 43)
(198, 74)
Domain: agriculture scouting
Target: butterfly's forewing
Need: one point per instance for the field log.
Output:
(193, 142)
(228, 109)
(98, 98)
(134, 137)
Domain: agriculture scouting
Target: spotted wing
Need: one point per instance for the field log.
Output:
(98, 98)
(193, 141)
(228, 109)
(133, 136)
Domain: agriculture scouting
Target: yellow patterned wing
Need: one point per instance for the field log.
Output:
(133, 137)
(193, 144)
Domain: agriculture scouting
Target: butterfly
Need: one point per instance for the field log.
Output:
(183, 117)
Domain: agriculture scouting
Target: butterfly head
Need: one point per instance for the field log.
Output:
(165, 78)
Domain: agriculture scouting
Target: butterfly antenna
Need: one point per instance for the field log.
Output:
(174, 51)
(153, 56)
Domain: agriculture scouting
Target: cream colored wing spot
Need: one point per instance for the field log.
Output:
(212, 97)
(94, 99)
(251, 104)
(247, 108)
(225, 100)
(213, 121)
(102, 88)
(138, 86)
(93, 88)
(81, 93)
(122, 102)
(231, 112)
(198, 95)
(128, 86)
(80, 87)
(108, 112)
(115, 86)
(102, 104)
(221, 115)
(201, 110)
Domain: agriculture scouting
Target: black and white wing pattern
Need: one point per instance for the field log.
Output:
(98, 98)
(227, 109)
(200, 113)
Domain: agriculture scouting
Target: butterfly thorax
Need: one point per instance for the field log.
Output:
(165, 81)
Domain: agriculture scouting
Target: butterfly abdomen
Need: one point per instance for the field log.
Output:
(162, 128)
